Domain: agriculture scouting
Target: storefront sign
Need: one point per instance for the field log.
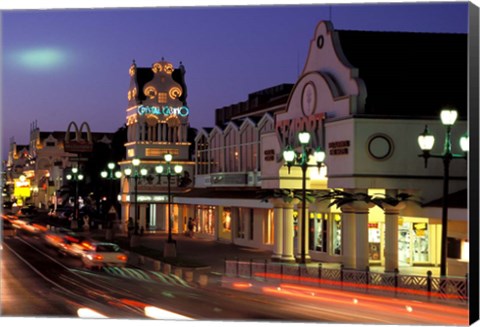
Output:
(287, 130)
(269, 155)
(165, 111)
(78, 144)
(339, 147)
(152, 198)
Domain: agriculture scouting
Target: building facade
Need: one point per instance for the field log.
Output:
(157, 124)
(364, 98)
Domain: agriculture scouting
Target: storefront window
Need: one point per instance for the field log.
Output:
(318, 229)
(420, 242)
(227, 219)
(413, 243)
(337, 233)
(269, 227)
(205, 220)
(240, 224)
(374, 241)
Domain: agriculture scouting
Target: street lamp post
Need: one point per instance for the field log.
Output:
(426, 141)
(76, 176)
(177, 170)
(136, 175)
(301, 160)
(111, 176)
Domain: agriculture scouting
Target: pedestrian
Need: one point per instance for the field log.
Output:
(190, 226)
(130, 227)
(136, 226)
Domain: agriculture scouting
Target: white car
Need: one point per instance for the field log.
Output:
(104, 254)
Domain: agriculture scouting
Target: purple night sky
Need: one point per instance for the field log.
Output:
(72, 65)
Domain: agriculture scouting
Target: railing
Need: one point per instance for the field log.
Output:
(434, 289)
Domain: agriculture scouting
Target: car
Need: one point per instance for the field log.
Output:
(104, 254)
(7, 228)
(27, 226)
(75, 245)
(54, 238)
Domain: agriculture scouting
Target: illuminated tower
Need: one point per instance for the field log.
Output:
(157, 123)
(157, 116)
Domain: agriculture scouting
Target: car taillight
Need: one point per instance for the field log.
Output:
(98, 257)
(122, 257)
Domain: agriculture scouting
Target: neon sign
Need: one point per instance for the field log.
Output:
(165, 110)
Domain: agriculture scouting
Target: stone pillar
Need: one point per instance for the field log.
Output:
(361, 240)
(278, 228)
(287, 253)
(391, 236)
(182, 218)
(355, 234)
(348, 238)
(301, 226)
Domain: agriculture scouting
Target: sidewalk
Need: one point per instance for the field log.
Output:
(212, 254)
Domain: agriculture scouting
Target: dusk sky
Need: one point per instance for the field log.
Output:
(68, 65)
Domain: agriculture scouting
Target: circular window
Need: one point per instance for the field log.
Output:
(320, 42)
(380, 146)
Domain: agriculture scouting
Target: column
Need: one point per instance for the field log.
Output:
(391, 235)
(182, 219)
(278, 228)
(361, 240)
(348, 238)
(287, 253)
(143, 219)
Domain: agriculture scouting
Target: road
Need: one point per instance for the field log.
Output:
(36, 281)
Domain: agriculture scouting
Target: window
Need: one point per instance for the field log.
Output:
(162, 97)
(318, 227)
(337, 233)
(50, 143)
(226, 219)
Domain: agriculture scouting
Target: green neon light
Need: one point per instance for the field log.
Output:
(165, 111)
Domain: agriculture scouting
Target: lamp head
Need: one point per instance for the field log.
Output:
(118, 174)
(74, 170)
(464, 143)
(80, 177)
(143, 171)
(426, 140)
(136, 162)
(159, 169)
(319, 155)
(448, 116)
(69, 177)
(304, 137)
(104, 174)
(168, 157)
(178, 169)
(111, 165)
(289, 155)
(128, 172)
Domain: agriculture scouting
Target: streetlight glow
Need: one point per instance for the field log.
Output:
(159, 169)
(426, 140)
(448, 116)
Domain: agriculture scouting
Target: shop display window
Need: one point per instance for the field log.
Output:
(374, 243)
(337, 233)
(318, 229)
